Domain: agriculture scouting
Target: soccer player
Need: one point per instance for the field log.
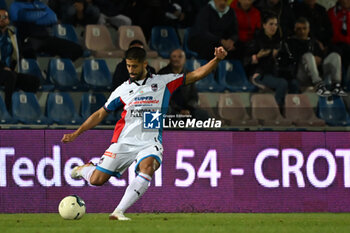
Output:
(141, 93)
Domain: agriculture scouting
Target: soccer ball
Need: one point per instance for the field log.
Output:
(72, 207)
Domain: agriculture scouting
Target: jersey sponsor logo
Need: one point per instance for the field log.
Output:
(152, 120)
(144, 100)
(110, 154)
(140, 112)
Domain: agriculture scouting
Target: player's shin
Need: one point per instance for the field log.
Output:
(134, 191)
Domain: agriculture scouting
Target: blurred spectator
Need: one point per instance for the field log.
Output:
(216, 25)
(249, 23)
(175, 13)
(146, 14)
(191, 8)
(309, 56)
(283, 11)
(9, 59)
(75, 12)
(316, 14)
(113, 12)
(339, 15)
(121, 73)
(33, 20)
(184, 100)
(261, 60)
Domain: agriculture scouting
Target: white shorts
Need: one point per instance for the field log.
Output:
(114, 162)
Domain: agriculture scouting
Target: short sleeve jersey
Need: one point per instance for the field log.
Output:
(137, 97)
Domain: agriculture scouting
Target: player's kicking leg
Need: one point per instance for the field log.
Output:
(136, 188)
(90, 174)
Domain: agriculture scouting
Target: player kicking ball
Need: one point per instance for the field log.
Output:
(130, 142)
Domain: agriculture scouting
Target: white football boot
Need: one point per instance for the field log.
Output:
(76, 171)
(118, 215)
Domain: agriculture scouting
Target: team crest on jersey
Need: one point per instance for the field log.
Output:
(154, 87)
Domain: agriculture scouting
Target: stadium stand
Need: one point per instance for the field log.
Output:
(208, 84)
(231, 75)
(126, 34)
(98, 40)
(110, 44)
(65, 31)
(232, 110)
(62, 73)
(298, 109)
(30, 66)
(3, 4)
(96, 74)
(91, 102)
(208, 105)
(266, 111)
(61, 110)
(26, 109)
(5, 117)
(189, 53)
(158, 63)
(332, 110)
(164, 39)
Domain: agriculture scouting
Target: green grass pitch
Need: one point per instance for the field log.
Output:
(180, 222)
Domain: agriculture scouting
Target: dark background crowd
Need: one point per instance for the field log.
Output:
(284, 46)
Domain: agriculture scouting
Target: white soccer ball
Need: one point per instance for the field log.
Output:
(72, 207)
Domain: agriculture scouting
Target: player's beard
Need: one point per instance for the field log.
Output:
(138, 76)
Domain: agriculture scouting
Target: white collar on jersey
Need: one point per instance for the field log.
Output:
(149, 75)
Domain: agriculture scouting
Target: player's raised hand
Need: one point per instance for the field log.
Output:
(220, 53)
(68, 137)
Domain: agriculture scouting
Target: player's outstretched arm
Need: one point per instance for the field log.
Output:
(220, 53)
(91, 122)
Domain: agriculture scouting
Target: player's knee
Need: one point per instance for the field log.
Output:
(147, 169)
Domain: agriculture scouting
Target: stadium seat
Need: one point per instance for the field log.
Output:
(204, 103)
(164, 39)
(332, 110)
(266, 111)
(65, 31)
(60, 109)
(126, 34)
(5, 117)
(91, 102)
(99, 41)
(158, 63)
(96, 74)
(62, 73)
(189, 53)
(232, 76)
(26, 109)
(298, 109)
(232, 110)
(207, 84)
(346, 78)
(30, 66)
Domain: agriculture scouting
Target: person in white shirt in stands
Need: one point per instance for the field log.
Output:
(143, 92)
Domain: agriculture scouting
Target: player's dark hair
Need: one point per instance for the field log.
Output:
(136, 53)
